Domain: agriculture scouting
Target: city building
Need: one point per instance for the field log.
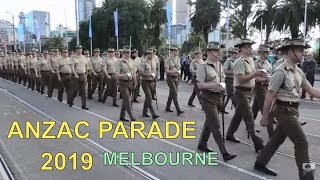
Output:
(180, 11)
(85, 8)
(64, 32)
(37, 23)
(6, 32)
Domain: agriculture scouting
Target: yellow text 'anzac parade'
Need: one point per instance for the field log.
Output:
(46, 130)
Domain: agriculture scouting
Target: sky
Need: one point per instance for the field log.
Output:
(61, 11)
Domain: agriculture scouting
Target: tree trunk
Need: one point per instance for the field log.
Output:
(245, 29)
(156, 36)
(294, 32)
(206, 35)
(268, 34)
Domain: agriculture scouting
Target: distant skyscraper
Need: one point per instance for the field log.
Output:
(180, 11)
(38, 23)
(85, 8)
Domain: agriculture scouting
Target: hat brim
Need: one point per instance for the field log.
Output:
(243, 44)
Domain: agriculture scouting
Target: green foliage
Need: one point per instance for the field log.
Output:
(206, 16)
(54, 42)
(140, 19)
(192, 44)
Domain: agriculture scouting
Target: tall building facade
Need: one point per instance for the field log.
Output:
(180, 11)
(38, 23)
(85, 8)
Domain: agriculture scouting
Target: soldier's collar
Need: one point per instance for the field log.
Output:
(210, 63)
(289, 66)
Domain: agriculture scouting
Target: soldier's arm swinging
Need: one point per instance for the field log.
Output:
(311, 90)
(271, 97)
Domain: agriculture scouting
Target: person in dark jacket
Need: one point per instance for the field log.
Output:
(309, 69)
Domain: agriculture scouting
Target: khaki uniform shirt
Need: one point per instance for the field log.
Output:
(287, 81)
(64, 65)
(89, 65)
(15, 61)
(280, 61)
(147, 67)
(97, 64)
(229, 65)
(124, 67)
(194, 66)
(172, 64)
(209, 72)
(33, 63)
(258, 64)
(54, 60)
(45, 64)
(244, 67)
(22, 61)
(110, 64)
(80, 64)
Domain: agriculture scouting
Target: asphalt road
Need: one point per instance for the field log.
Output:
(23, 156)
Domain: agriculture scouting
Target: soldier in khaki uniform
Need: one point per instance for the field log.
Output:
(193, 69)
(209, 78)
(282, 100)
(79, 80)
(261, 88)
(228, 68)
(33, 70)
(137, 61)
(53, 81)
(90, 77)
(245, 76)
(22, 68)
(15, 67)
(148, 75)
(9, 66)
(172, 66)
(45, 69)
(63, 72)
(125, 73)
(156, 61)
(112, 82)
(99, 73)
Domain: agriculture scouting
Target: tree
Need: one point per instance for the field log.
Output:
(192, 44)
(206, 16)
(55, 42)
(239, 19)
(157, 18)
(291, 14)
(266, 14)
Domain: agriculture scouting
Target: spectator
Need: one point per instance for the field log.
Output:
(309, 68)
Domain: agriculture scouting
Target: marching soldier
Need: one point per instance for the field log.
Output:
(90, 77)
(156, 61)
(245, 76)
(112, 82)
(148, 75)
(261, 88)
(63, 72)
(22, 69)
(15, 67)
(172, 66)
(99, 73)
(2, 69)
(117, 54)
(209, 76)
(137, 61)
(228, 68)
(10, 66)
(53, 81)
(33, 70)
(193, 69)
(79, 67)
(282, 100)
(45, 69)
(126, 75)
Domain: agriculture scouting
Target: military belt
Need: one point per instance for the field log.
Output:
(262, 84)
(288, 103)
(229, 78)
(244, 89)
(65, 74)
(211, 92)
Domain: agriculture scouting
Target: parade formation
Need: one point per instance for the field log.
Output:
(274, 87)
